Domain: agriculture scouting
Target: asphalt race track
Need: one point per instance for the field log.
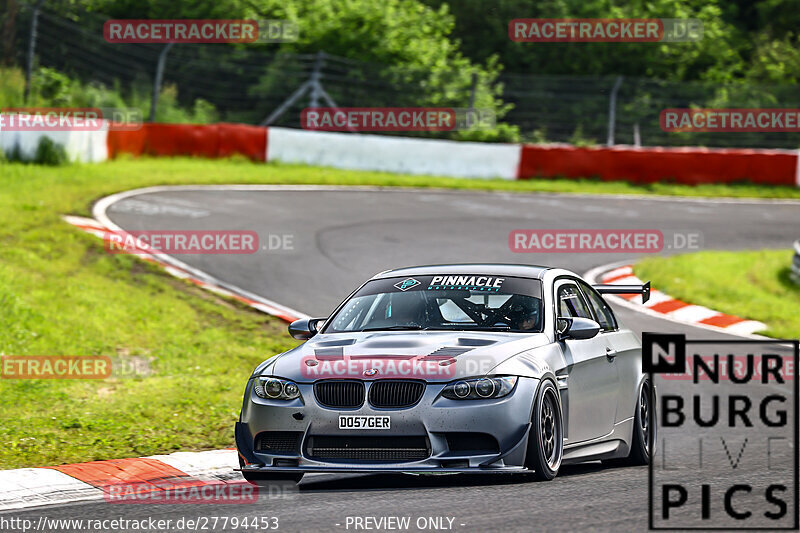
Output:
(341, 237)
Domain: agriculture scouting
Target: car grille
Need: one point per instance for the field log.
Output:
(395, 393)
(348, 394)
(278, 441)
(396, 449)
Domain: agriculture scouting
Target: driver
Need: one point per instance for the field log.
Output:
(525, 314)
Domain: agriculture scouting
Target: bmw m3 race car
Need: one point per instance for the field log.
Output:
(453, 368)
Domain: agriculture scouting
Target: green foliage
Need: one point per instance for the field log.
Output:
(50, 153)
(753, 41)
(755, 285)
(580, 139)
(51, 88)
(15, 155)
(743, 40)
(537, 136)
(407, 44)
(504, 133)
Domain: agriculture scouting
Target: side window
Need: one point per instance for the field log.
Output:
(605, 316)
(571, 304)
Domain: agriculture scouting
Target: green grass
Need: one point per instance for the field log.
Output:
(753, 285)
(61, 294)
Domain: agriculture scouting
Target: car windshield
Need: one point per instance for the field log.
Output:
(457, 302)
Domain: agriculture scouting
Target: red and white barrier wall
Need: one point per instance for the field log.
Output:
(394, 154)
(690, 166)
(83, 146)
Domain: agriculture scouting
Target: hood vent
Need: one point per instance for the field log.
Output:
(329, 352)
(450, 351)
(340, 342)
(476, 342)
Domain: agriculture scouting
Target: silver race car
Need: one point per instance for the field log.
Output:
(453, 368)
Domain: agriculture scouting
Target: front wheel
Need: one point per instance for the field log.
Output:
(546, 440)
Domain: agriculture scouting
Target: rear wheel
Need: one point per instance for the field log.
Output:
(644, 423)
(640, 447)
(546, 440)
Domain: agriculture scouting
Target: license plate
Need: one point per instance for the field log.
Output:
(364, 422)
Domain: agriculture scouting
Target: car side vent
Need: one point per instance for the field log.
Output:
(279, 441)
(472, 443)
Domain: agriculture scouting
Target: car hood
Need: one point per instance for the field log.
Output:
(429, 355)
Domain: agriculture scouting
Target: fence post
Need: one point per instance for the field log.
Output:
(9, 32)
(162, 60)
(316, 75)
(472, 91)
(612, 111)
(31, 49)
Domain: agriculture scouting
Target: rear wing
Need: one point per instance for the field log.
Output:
(644, 290)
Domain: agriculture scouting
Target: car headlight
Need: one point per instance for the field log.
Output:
(480, 388)
(276, 389)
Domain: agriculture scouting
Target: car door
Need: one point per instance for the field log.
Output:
(593, 379)
(626, 351)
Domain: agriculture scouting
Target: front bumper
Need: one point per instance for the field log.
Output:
(434, 417)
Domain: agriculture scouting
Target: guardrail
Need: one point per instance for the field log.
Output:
(691, 166)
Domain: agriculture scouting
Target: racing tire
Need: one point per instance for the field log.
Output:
(640, 447)
(546, 439)
(643, 419)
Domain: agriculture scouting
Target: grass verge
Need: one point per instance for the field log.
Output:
(61, 294)
(753, 285)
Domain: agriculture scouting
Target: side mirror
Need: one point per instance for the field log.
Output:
(305, 328)
(576, 328)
